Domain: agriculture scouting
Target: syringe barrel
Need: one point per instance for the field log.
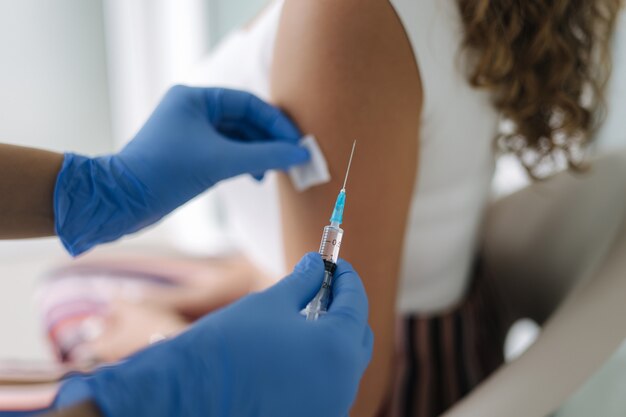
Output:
(331, 243)
(319, 305)
(329, 250)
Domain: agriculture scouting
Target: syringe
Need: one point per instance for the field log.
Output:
(329, 249)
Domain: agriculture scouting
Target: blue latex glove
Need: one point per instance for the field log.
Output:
(195, 138)
(257, 357)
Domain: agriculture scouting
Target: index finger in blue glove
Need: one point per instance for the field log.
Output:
(297, 289)
(251, 113)
(256, 158)
(349, 297)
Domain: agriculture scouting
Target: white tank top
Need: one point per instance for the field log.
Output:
(455, 167)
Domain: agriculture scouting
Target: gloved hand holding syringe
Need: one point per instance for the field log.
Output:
(329, 250)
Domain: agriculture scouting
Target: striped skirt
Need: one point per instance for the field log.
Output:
(439, 359)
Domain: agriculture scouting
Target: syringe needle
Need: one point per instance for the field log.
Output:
(329, 249)
(345, 180)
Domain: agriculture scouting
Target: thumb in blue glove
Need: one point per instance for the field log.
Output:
(257, 357)
(195, 138)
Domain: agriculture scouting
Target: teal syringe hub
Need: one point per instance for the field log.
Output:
(337, 216)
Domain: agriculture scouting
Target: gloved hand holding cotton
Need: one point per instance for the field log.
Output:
(195, 138)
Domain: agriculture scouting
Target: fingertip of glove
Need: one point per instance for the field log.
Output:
(368, 345)
(344, 266)
(72, 391)
(368, 340)
(310, 261)
(301, 155)
(285, 127)
(291, 155)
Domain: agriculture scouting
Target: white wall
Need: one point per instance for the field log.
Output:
(53, 82)
(613, 132)
(227, 14)
(53, 94)
(150, 44)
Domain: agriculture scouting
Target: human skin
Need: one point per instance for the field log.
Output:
(27, 179)
(341, 80)
(84, 409)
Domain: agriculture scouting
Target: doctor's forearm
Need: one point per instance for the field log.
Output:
(27, 179)
(85, 409)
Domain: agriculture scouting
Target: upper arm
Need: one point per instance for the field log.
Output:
(344, 70)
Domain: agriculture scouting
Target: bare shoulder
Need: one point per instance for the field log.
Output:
(357, 47)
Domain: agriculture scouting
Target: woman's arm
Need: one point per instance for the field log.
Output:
(345, 70)
(27, 178)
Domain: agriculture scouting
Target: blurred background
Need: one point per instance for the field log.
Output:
(83, 75)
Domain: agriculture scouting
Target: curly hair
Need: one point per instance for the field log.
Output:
(546, 64)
